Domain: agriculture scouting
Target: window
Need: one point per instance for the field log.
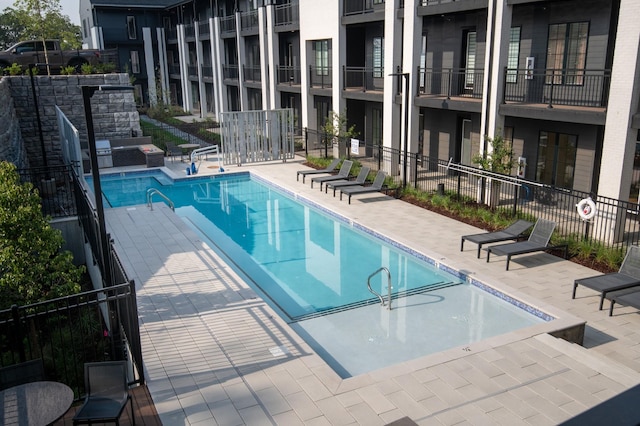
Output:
(376, 130)
(322, 57)
(135, 62)
(514, 53)
(470, 59)
(378, 1)
(378, 57)
(131, 27)
(556, 159)
(85, 30)
(567, 53)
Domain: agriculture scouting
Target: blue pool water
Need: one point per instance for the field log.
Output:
(309, 263)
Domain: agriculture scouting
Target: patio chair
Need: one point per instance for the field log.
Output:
(329, 169)
(627, 297)
(627, 276)
(174, 150)
(19, 374)
(360, 180)
(343, 173)
(107, 393)
(514, 231)
(361, 189)
(538, 241)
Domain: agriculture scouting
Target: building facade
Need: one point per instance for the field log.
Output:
(559, 79)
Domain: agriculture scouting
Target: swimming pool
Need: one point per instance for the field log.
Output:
(312, 266)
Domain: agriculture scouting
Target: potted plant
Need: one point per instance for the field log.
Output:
(497, 159)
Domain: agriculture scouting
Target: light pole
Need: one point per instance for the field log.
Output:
(87, 93)
(406, 124)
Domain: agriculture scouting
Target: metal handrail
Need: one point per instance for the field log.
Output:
(151, 192)
(388, 304)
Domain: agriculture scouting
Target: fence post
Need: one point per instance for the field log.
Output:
(17, 335)
(515, 201)
(415, 171)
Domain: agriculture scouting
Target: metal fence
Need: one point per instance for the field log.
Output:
(616, 224)
(54, 184)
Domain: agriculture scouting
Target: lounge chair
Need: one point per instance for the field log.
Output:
(627, 276)
(343, 173)
(628, 297)
(329, 169)
(512, 232)
(360, 180)
(538, 241)
(376, 186)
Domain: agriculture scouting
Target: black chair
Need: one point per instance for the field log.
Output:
(514, 231)
(538, 241)
(174, 151)
(329, 169)
(19, 374)
(107, 393)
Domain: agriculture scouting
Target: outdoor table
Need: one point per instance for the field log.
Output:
(34, 404)
(188, 148)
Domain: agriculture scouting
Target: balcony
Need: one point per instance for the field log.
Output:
(450, 88)
(358, 7)
(289, 75)
(203, 29)
(320, 77)
(249, 21)
(207, 72)
(579, 88)
(438, 7)
(251, 74)
(228, 25)
(189, 31)
(172, 34)
(193, 71)
(363, 79)
(174, 69)
(287, 15)
(230, 72)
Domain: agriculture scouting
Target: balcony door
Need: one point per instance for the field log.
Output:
(556, 159)
(469, 58)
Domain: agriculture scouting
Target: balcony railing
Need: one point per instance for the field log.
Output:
(583, 88)
(172, 33)
(363, 78)
(320, 77)
(249, 20)
(287, 14)
(228, 24)
(356, 7)
(174, 69)
(460, 82)
(288, 75)
(207, 71)
(230, 72)
(203, 28)
(435, 2)
(252, 73)
(189, 30)
(192, 70)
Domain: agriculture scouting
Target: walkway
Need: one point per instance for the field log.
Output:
(215, 353)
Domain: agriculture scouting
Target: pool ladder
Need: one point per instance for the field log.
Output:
(153, 191)
(388, 304)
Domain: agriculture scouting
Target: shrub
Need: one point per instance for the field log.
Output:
(86, 69)
(68, 70)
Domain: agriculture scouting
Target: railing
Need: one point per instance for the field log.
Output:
(189, 30)
(363, 78)
(356, 7)
(203, 28)
(174, 69)
(155, 191)
(583, 88)
(616, 224)
(172, 33)
(67, 332)
(450, 82)
(228, 25)
(320, 77)
(372, 291)
(55, 188)
(230, 72)
(249, 20)
(287, 14)
(192, 70)
(435, 2)
(207, 71)
(288, 75)
(252, 73)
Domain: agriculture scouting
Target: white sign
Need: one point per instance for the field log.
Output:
(355, 146)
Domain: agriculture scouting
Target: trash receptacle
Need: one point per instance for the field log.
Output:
(441, 189)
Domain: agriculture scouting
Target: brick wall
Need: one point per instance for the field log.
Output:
(114, 114)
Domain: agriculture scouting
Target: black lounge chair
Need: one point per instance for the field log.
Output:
(329, 169)
(628, 297)
(360, 180)
(627, 276)
(538, 241)
(514, 231)
(343, 173)
(376, 186)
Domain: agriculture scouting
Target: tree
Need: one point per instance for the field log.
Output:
(499, 159)
(32, 266)
(335, 128)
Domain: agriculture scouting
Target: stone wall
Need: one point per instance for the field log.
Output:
(12, 148)
(114, 112)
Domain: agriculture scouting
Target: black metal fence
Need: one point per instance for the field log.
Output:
(616, 224)
(55, 187)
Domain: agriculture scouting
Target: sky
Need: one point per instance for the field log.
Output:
(69, 8)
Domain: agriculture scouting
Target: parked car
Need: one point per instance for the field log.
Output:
(33, 52)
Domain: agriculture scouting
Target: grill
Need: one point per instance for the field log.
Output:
(103, 152)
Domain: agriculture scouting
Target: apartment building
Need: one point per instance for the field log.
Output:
(559, 79)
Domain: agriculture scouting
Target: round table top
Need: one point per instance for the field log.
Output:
(36, 403)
